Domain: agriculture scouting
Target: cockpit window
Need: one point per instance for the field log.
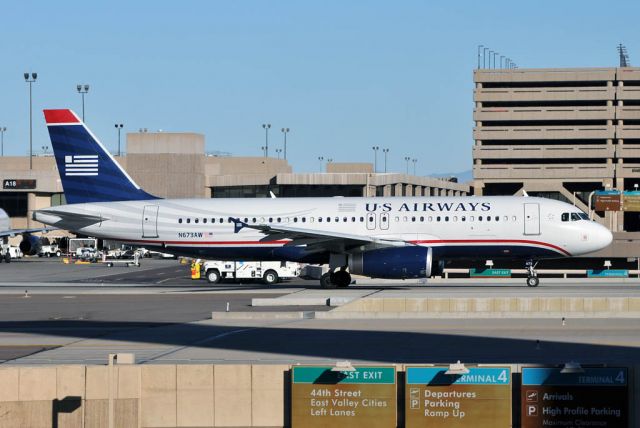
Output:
(574, 216)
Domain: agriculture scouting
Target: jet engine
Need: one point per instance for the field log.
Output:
(30, 245)
(395, 263)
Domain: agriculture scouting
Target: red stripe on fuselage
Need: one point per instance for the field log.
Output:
(492, 241)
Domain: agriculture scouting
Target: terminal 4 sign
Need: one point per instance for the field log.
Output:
(478, 399)
(593, 397)
(324, 396)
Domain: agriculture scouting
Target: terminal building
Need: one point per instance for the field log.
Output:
(563, 134)
(175, 165)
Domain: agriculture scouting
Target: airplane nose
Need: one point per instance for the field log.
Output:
(602, 236)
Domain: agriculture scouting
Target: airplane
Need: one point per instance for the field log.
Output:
(30, 244)
(383, 237)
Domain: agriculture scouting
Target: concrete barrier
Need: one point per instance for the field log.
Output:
(199, 395)
(487, 307)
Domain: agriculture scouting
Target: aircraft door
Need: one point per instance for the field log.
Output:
(371, 221)
(531, 219)
(384, 221)
(150, 221)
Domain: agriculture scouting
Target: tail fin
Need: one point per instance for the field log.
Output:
(88, 171)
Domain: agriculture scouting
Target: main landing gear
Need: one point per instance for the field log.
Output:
(340, 278)
(532, 278)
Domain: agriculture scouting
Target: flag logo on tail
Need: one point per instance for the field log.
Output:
(81, 165)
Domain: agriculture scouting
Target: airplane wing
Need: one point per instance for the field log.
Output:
(68, 220)
(321, 239)
(14, 232)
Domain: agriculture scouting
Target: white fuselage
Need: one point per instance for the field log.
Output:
(455, 227)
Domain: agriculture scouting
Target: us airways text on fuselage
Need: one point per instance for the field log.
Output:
(431, 206)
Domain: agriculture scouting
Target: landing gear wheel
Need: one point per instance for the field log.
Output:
(270, 277)
(341, 278)
(213, 276)
(325, 281)
(533, 281)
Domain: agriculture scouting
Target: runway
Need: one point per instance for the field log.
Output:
(79, 314)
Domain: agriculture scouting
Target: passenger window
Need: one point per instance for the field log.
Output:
(337, 219)
(384, 219)
(438, 218)
(506, 218)
(279, 219)
(446, 218)
(565, 217)
(213, 220)
(319, 219)
(430, 218)
(196, 220)
(304, 219)
(421, 218)
(463, 218)
(270, 219)
(345, 219)
(204, 220)
(472, 218)
(397, 219)
(295, 219)
(514, 218)
(246, 220)
(479, 218)
(353, 219)
(488, 218)
(413, 219)
(497, 218)
(455, 218)
(221, 220)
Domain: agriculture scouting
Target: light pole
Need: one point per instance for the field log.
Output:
(266, 127)
(484, 57)
(264, 152)
(2, 129)
(375, 158)
(278, 151)
(495, 54)
(415, 161)
(320, 158)
(385, 151)
(82, 89)
(479, 49)
(407, 159)
(30, 79)
(285, 131)
(118, 127)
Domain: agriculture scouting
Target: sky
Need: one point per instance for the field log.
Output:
(344, 76)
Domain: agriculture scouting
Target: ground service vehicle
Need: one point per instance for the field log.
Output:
(49, 250)
(269, 272)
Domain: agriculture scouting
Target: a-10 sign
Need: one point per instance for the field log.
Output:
(18, 184)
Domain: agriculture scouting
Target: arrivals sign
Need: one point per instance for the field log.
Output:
(595, 397)
(322, 397)
(478, 399)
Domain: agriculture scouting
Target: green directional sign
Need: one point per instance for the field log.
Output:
(323, 396)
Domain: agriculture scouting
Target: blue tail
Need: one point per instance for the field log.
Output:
(88, 171)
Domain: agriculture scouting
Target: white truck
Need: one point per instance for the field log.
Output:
(49, 250)
(269, 272)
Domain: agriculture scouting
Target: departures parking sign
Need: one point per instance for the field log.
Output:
(364, 396)
(480, 398)
(587, 397)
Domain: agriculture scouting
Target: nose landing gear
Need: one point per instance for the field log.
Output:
(532, 279)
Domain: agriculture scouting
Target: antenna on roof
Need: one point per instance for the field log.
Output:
(624, 56)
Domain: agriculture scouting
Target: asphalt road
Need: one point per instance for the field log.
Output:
(80, 313)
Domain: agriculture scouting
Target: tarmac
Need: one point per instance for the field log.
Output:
(52, 313)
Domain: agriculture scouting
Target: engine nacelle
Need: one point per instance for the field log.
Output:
(394, 263)
(30, 245)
